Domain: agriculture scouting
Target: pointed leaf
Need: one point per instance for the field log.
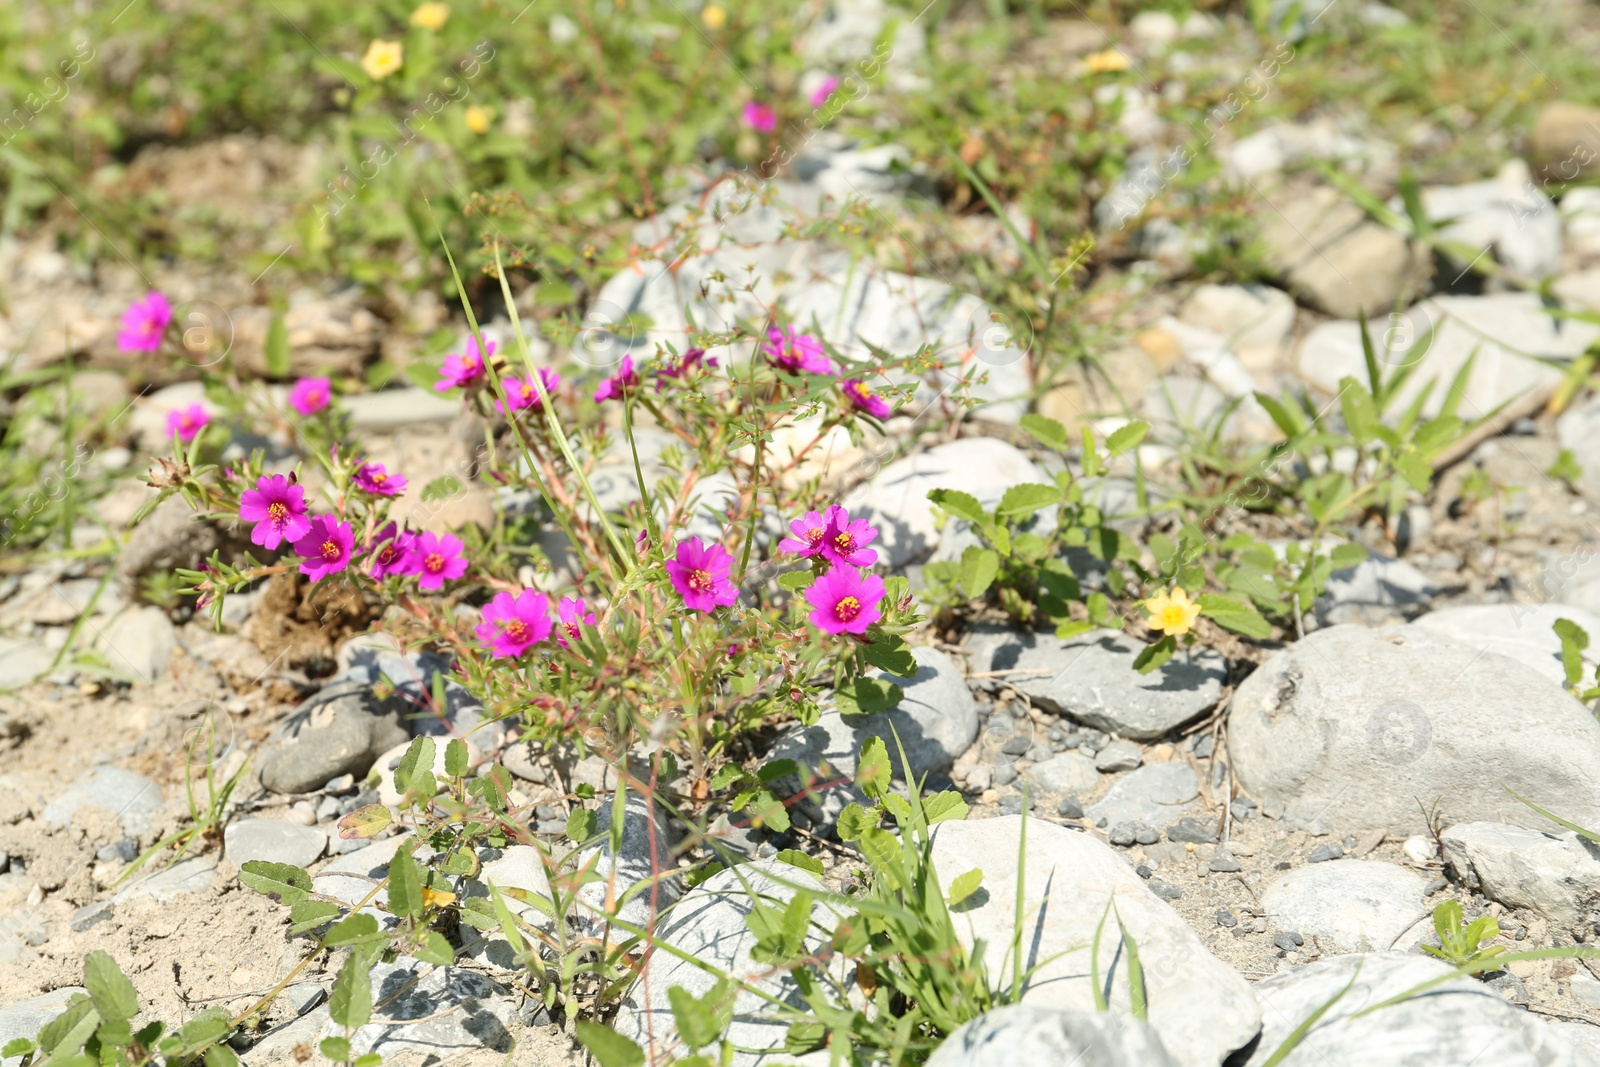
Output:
(283, 882)
(795, 858)
(109, 989)
(965, 885)
(961, 505)
(350, 1003)
(609, 1048)
(369, 821)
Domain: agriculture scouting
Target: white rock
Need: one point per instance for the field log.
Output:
(1349, 727)
(25, 1018)
(1348, 905)
(1241, 314)
(638, 882)
(1420, 850)
(1520, 631)
(393, 409)
(1580, 212)
(1375, 590)
(1509, 214)
(1024, 1035)
(1154, 29)
(192, 875)
(1556, 875)
(137, 643)
(1199, 1006)
(272, 841)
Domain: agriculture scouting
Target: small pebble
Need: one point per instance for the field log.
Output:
(1434, 886)
(360, 800)
(1016, 746)
(1040, 753)
(1165, 890)
(1204, 745)
(1288, 940)
(1005, 774)
(89, 915)
(1143, 870)
(1243, 808)
(1101, 822)
(1224, 862)
(1227, 918)
(341, 786)
(1070, 808)
(1012, 805)
(327, 809)
(1118, 756)
(1072, 739)
(1122, 835)
(1192, 830)
(1420, 849)
(1145, 834)
(980, 778)
(1323, 853)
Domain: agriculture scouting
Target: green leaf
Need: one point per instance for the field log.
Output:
(854, 821)
(864, 696)
(1573, 641)
(277, 347)
(804, 1036)
(442, 488)
(282, 882)
(1415, 470)
(872, 770)
(371, 1059)
(335, 1048)
(580, 825)
(350, 1003)
(221, 1056)
(1282, 415)
(417, 761)
(772, 770)
(889, 652)
(948, 806)
(434, 949)
(1347, 555)
(310, 914)
(1127, 437)
(206, 1028)
(1235, 615)
(455, 755)
(1027, 498)
(1138, 1002)
(794, 581)
(405, 885)
(961, 505)
(366, 822)
(1046, 431)
(109, 989)
(965, 885)
(1155, 655)
(882, 851)
(726, 775)
(354, 930)
(979, 566)
(16, 1047)
(702, 1020)
(795, 858)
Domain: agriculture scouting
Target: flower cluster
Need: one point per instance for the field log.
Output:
(844, 598)
(512, 624)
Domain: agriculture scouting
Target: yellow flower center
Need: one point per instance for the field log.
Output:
(516, 629)
(847, 609)
(814, 535)
(278, 512)
(845, 543)
(434, 562)
(330, 550)
(700, 581)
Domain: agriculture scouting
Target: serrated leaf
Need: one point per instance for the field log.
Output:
(283, 882)
(959, 504)
(854, 821)
(795, 858)
(965, 885)
(16, 1047)
(109, 989)
(354, 930)
(794, 581)
(442, 489)
(864, 696)
(580, 825)
(898, 806)
(609, 1048)
(455, 754)
(889, 652)
(1027, 498)
(979, 566)
(772, 770)
(310, 914)
(417, 761)
(872, 770)
(948, 806)
(1046, 431)
(1235, 615)
(350, 1003)
(369, 821)
(726, 775)
(405, 885)
(1126, 437)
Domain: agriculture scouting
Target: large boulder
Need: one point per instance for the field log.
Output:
(1025, 1035)
(1361, 729)
(1554, 875)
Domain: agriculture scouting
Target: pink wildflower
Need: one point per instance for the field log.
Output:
(760, 117)
(144, 323)
(434, 558)
(371, 478)
(460, 371)
(796, 352)
(700, 573)
(864, 399)
(393, 555)
(278, 508)
(692, 360)
(613, 387)
(311, 395)
(512, 625)
(845, 601)
(823, 91)
(325, 546)
(843, 541)
(808, 534)
(524, 393)
(575, 615)
(187, 422)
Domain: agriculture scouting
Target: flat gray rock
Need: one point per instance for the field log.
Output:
(1156, 794)
(193, 875)
(1201, 1008)
(1349, 727)
(22, 661)
(26, 1018)
(1348, 905)
(273, 841)
(351, 876)
(1070, 772)
(639, 880)
(1375, 591)
(1091, 679)
(132, 798)
(340, 730)
(1554, 874)
(709, 924)
(1521, 631)
(1461, 1023)
(1025, 1035)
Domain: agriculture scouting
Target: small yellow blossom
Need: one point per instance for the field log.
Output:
(430, 16)
(437, 898)
(713, 16)
(1172, 613)
(478, 119)
(1108, 62)
(383, 58)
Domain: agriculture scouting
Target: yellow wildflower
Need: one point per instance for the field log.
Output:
(383, 58)
(1172, 613)
(437, 898)
(478, 119)
(430, 16)
(1108, 62)
(713, 16)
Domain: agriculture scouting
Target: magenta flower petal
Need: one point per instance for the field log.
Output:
(144, 323)
(311, 395)
(460, 371)
(513, 624)
(614, 387)
(760, 117)
(863, 398)
(392, 554)
(796, 353)
(823, 91)
(326, 547)
(808, 534)
(435, 559)
(278, 509)
(187, 422)
(575, 615)
(844, 601)
(699, 573)
(843, 540)
(371, 478)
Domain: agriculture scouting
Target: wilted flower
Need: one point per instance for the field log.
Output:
(614, 387)
(393, 555)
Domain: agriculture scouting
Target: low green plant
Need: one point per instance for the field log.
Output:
(207, 817)
(1574, 640)
(1462, 943)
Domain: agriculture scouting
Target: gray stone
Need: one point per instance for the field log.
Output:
(1122, 835)
(351, 876)
(1155, 794)
(90, 915)
(1070, 808)
(896, 499)
(1192, 830)
(1554, 874)
(301, 997)
(372, 659)
(1091, 678)
(638, 882)
(936, 720)
(1349, 726)
(1118, 756)
(1374, 591)
(137, 643)
(1324, 853)
(1066, 773)
(1508, 214)
(435, 1012)
(1032, 1036)
(1336, 259)
(340, 730)
(273, 841)
(1224, 862)
(1199, 1006)
(22, 661)
(1521, 631)
(26, 1018)
(1347, 905)
(395, 409)
(132, 798)
(709, 924)
(193, 875)
(1459, 1023)
(1287, 940)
